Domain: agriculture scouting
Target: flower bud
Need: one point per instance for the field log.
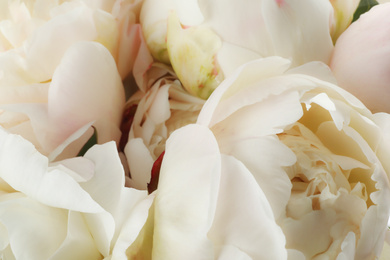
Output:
(192, 54)
(361, 60)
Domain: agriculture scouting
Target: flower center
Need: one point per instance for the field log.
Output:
(324, 206)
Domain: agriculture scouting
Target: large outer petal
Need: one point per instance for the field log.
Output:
(48, 44)
(288, 28)
(191, 169)
(244, 218)
(86, 87)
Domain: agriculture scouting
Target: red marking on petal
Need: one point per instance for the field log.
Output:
(280, 3)
(127, 121)
(215, 70)
(155, 176)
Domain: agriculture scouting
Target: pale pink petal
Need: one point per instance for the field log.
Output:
(358, 60)
(48, 44)
(143, 60)
(85, 87)
(129, 44)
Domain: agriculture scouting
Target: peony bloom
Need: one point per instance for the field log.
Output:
(72, 209)
(206, 41)
(318, 154)
(282, 163)
(152, 115)
(53, 88)
(361, 60)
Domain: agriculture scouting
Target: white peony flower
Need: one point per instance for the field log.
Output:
(318, 154)
(73, 209)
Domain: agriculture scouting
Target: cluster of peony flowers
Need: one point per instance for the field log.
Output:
(194, 129)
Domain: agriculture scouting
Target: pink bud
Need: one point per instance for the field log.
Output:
(361, 59)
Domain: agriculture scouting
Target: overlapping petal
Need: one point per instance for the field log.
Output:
(81, 214)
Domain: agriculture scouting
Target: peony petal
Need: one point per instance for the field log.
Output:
(81, 136)
(35, 93)
(80, 168)
(132, 227)
(295, 255)
(154, 19)
(231, 56)
(79, 243)
(105, 188)
(29, 174)
(310, 234)
(272, 116)
(383, 149)
(386, 252)
(4, 241)
(106, 184)
(39, 121)
(143, 60)
(244, 77)
(348, 247)
(128, 205)
(270, 25)
(29, 224)
(315, 69)
(140, 162)
(85, 87)
(189, 12)
(191, 168)
(244, 218)
(265, 158)
(47, 46)
(13, 69)
(231, 252)
(102, 228)
(358, 62)
(192, 53)
(287, 22)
